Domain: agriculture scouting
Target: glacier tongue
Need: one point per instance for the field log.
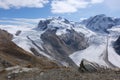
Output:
(93, 52)
(99, 52)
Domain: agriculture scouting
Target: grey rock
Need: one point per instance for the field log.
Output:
(60, 47)
(87, 66)
(43, 24)
(116, 46)
(18, 33)
(55, 47)
(74, 40)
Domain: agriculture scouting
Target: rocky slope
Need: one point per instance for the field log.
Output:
(54, 38)
(12, 55)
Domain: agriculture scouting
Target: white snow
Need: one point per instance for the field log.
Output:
(26, 44)
(14, 28)
(92, 53)
(62, 27)
(23, 43)
(95, 52)
(115, 31)
(22, 40)
(113, 56)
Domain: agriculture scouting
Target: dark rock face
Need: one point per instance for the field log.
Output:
(60, 47)
(74, 40)
(117, 46)
(18, 33)
(43, 24)
(56, 48)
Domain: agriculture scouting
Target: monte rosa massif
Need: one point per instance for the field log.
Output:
(91, 45)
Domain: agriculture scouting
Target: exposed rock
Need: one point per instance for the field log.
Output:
(4, 35)
(18, 33)
(12, 55)
(56, 47)
(74, 40)
(117, 46)
(43, 24)
(87, 66)
(60, 47)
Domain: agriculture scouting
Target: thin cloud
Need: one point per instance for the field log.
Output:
(97, 1)
(113, 4)
(7, 4)
(20, 21)
(26, 20)
(70, 6)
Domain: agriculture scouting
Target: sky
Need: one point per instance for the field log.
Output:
(29, 12)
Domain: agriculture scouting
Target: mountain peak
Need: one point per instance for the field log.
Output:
(100, 23)
(54, 22)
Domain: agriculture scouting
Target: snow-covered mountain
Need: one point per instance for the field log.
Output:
(106, 32)
(54, 38)
(69, 42)
(101, 23)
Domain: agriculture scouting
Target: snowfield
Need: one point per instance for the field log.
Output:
(92, 53)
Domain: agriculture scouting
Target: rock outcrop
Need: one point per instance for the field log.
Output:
(60, 47)
(18, 32)
(87, 66)
(117, 46)
(43, 24)
(55, 47)
(76, 41)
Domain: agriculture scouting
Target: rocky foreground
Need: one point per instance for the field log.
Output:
(86, 71)
(60, 74)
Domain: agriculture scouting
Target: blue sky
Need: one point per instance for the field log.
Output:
(20, 10)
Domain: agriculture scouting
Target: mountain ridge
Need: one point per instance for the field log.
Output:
(54, 36)
(100, 23)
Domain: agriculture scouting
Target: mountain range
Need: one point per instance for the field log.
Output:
(62, 43)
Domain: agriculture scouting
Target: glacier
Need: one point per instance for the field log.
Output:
(97, 30)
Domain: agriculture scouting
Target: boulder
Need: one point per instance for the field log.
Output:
(87, 66)
(18, 33)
